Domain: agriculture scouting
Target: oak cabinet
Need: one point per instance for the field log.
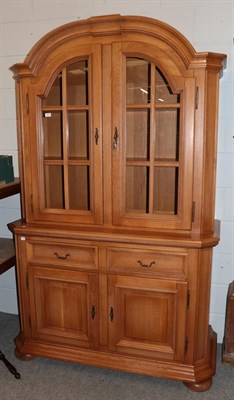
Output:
(117, 146)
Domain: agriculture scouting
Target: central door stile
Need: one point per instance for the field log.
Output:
(107, 129)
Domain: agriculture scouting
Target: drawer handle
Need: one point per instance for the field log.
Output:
(146, 265)
(62, 257)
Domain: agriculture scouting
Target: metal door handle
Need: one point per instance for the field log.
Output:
(115, 139)
(93, 312)
(112, 314)
(96, 135)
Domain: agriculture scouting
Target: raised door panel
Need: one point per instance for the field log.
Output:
(66, 139)
(153, 130)
(64, 306)
(147, 317)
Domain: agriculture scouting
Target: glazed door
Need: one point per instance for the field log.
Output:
(66, 137)
(63, 306)
(147, 317)
(153, 128)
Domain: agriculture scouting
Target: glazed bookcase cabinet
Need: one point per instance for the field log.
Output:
(117, 132)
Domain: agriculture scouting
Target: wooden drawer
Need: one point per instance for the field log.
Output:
(146, 261)
(80, 254)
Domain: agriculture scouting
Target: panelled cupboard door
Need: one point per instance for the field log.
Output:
(64, 306)
(66, 139)
(153, 131)
(147, 317)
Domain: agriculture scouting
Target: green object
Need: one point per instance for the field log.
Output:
(6, 169)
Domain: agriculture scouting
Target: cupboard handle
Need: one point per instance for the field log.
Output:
(146, 265)
(96, 135)
(62, 257)
(112, 314)
(115, 140)
(93, 312)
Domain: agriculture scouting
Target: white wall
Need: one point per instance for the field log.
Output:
(209, 25)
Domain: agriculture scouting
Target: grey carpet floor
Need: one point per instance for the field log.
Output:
(43, 379)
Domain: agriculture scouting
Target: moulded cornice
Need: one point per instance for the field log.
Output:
(112, 25)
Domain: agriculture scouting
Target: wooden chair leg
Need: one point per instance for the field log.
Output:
(9, 366)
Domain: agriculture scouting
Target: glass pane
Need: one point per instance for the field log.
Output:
(167, 134)
(163, 90)
(54, 97)
(54, 196)
(79, 191)
(78, 134)
(165, 190)
(137, 81)
(77, 83)
(137, 188)
(52, 128)
(138, 132)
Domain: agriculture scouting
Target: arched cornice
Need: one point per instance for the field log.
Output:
(112, 25)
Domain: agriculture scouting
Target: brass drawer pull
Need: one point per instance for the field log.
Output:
(62, 257)
(146, 265)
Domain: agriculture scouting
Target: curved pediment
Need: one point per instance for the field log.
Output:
(110, 28)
